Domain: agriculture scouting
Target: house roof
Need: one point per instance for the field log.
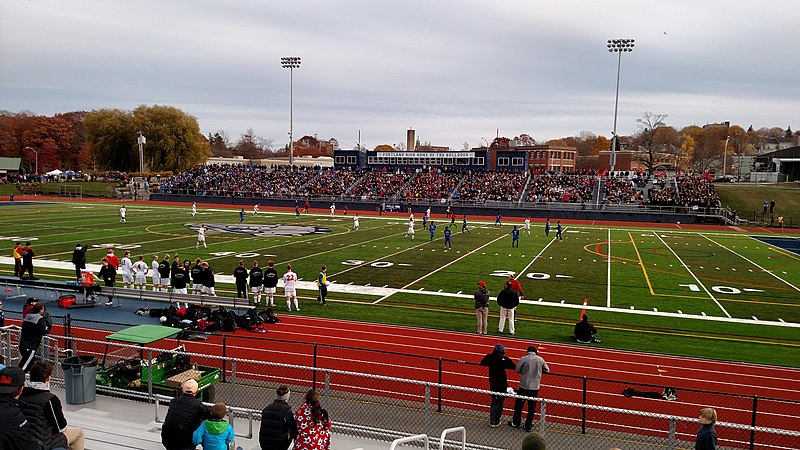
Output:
(10, 163)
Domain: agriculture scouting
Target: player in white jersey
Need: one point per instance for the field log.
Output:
(355, 222)
(201, 236)
(122, 212)
(289, 289)
(410, 231)
(127, 270)
(411, 217)
(333, 209)
(194, 209)
(527, 226)
(255, 210)
(140, 272)
(156, 276)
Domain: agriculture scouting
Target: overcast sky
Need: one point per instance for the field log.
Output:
(456, 71)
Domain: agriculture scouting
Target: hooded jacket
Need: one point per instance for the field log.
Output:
(34, 327)
(278, 427)
(79, 257)
(508, 298)
(213, 434)
(498, 363)
(15, 434)
(481, 298)
(185, 413)
(43, 410)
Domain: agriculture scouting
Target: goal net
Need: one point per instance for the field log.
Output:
(71, 190)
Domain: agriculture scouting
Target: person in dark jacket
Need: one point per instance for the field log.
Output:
(27, 262)
(184, 415)
(44, 413)
(707, 436)
(278, 427)
(79, 260)
(498, 363)
(508, 299)
(482, 308)
(15, 433)
(109, 274)
(240, 275)
(584, 331)
(208, 280)
(34, 328)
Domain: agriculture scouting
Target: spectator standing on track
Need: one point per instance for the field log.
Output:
(184, 415)
(313, 425)
(270, 283)
(278, 427)
(584, 331)
(530, 369)
(508, 299)
(197, 276)
(44, 412)
(498, 363)
(289, 288)
(482, 307)
(109, 276)
(79, 260)
(322, 284)
(306, 206)
(240, 275)
(707, 436)
(15, 434)
(17, 254)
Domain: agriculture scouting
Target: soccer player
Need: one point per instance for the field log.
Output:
(428, 212)
(296, 210)
(306, 206)
(547, 227)
(194, 209)
(449, 211)
(498, 220)
(410, 231)
(140, 273)
(270, 282)
(197, 277)
(447, 234)
(464, 225)
(452, 219)
(257, 283)
(289, 289)
(201, 236)
(241, 215)
(559, 229)
(122, 212)
(240, 275)
(164, 270)
(255, 212)
(333, 209)
(322, 284)
(425, 222)
(180, 277)
(355, 222)
(156, 274)
(127, 270)
(527, 225)
(432, 229)
(208, 279)
(515, 237)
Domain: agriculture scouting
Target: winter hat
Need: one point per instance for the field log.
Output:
(283, 393)
(482, 283)
(500, 349)
(534, 441)
(532, 348)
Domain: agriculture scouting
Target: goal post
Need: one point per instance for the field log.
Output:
(70, 190)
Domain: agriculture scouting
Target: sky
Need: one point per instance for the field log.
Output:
(455, 71)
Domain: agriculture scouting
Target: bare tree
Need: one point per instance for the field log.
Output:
(655, 141)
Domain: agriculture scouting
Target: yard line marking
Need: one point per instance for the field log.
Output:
(700, 283)
(440, 268)
(535, 258)
(753, 263)
(608, 282)
(641, 264)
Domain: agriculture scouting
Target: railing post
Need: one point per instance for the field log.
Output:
(326, 391)
(314, 372)
(150, 373)
(439, 396)
(753, 423)
(583, 410)
(671, 436)
(224, 356)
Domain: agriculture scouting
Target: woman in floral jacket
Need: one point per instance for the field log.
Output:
(313, 425)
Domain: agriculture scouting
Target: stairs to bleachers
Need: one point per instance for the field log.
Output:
(359, 180)
(105, 430)
(523, 196)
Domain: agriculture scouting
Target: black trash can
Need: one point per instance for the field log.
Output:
(80, 385)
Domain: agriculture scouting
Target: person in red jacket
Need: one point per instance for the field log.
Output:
(112, 259)
(516, 286)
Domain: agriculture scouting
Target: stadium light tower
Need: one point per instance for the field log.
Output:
(617, 46)
(141, 140)
(291, 63)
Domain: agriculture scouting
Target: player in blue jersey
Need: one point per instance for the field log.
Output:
(464, 225)
(498, 220)
(447, 234)
(559, 229)
(547, 227)
(432, 229)
(515, 237)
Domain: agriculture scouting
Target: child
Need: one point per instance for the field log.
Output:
(215, 433)
(707, 436)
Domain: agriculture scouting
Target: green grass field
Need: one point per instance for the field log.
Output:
(715, 294)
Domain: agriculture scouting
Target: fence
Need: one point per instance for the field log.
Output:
(387, 407)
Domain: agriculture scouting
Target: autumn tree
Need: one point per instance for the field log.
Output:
(51, 137)
(384, 148)
(655, 142)
(220, 144)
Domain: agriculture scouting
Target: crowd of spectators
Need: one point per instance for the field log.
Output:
(691, 191)
(621, 190)
(332, 182)
(379, 185)
(431, 185)
(240, 181)
(561, 188)
(498, 186)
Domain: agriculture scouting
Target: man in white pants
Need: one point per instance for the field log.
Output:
(127, 270)
(289, 279)
(156, 275)
(140, 273)
(508, 300)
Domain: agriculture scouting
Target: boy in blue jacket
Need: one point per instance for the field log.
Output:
(215, 433)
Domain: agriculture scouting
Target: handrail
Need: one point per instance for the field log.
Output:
(416, 437)
(447, 431)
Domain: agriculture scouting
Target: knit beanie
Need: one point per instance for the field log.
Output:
(534, 441)
(500, 349)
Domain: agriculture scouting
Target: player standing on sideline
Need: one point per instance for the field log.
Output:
(498, 220)
(547, 227)
(180, 277)
(527, 225)
(410, 231)
(112, 258)
(108, 274)
(447, 235)
(241, 215)
(208, 279)
(515, 237)
(164, 270)
(257, 283)
(355, 222)
(270, 282)
(464, 225)
(176, 263)
(140, 273)
(322, 284)
(432, 229)
(333, 209)
(127, 270)
(194, 209)
(197, 277)
(255, 212)
(240, 275)
(428, 213)
(559, 229)
(122, 212)
(201, 236)
(156, 274)
(289, 290)
(306, 206)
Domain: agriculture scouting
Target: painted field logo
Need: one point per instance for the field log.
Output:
(260, 230)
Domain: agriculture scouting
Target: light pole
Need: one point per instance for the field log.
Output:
(141, 140)
(617, 46)
(35, 152)
(291, 63)
(725, 157)
(487, 142)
